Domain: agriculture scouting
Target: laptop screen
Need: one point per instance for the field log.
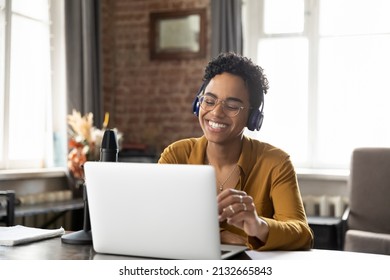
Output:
(153, 210)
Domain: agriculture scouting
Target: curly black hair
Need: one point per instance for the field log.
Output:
(243, 67)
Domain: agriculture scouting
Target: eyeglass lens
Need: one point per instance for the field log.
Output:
(229, 107)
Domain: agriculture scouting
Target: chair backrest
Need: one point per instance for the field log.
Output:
(369, 185)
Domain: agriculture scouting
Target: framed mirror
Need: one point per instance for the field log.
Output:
(178, 34)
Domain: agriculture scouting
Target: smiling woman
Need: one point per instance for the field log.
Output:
(259, 202)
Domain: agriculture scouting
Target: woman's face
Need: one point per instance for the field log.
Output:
(217, 124)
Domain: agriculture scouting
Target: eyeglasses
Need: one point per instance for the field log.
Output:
(230, 107)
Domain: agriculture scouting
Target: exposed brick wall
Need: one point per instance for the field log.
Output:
(149, 101)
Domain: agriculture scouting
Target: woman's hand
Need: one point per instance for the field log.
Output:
(238, 209)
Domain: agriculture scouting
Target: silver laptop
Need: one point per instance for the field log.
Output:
(166, 211)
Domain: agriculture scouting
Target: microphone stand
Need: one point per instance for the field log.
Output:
(108, 152)
(84, 236)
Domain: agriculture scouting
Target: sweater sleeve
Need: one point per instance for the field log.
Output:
(288, 227)
(168, 155)
(177, 152)
(185, 151)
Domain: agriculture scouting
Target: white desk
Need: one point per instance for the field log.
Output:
(54, 249)
(316, 254)
(313, 264)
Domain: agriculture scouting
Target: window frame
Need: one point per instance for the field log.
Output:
(56, 143)
(253, 32)
(253, 24)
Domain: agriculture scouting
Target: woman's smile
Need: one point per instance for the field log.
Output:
(216, 125)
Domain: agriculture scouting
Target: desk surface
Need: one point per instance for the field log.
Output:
(54, 249)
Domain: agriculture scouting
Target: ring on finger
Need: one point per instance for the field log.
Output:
(241, 197)
(243, 204)
(231, 209)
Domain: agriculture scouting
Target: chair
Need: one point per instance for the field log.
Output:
(368, 217)
(9, 218)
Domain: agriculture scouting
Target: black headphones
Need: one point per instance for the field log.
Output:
(256, 115)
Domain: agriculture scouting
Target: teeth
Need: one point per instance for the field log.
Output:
(216, 125)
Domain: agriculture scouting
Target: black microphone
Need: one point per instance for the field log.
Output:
(108, 152)
(109, 148)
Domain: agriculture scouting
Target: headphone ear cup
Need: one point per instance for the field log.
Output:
(255, 120)
(195, 103)
(195, 106)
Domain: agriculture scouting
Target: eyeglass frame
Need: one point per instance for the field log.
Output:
(223, 103)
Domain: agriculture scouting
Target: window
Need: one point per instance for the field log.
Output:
(26, 80)
(2, 75)
(328, 63)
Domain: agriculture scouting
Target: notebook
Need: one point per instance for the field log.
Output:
(165, 211)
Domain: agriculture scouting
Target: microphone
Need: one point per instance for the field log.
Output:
(109, 148)
(108, 152)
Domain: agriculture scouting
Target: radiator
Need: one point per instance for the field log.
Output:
(324, 205)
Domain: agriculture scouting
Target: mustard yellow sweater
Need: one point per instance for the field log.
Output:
(267, 175)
